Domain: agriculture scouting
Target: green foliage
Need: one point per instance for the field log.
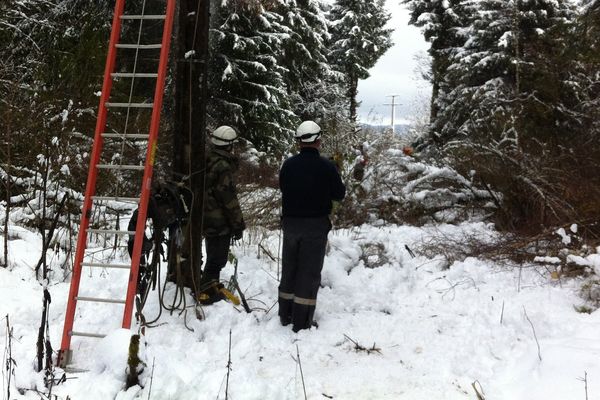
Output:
(583, 309)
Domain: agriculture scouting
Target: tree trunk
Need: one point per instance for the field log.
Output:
(438, 70)
(190, 124)
(7, 186)
(352, 94)
(44, 202)
(435, 90)
(42, 331)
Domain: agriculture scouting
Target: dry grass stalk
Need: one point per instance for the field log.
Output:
(359, 348)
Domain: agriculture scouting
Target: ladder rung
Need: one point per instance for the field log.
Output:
(139, 46)
(100, 300)
(74, 370)
(134, 75)
(110, 232)
(121, 167)
(116, 198)
(100, 265)
(143, 16)
(129, 105)
(86, 334)
(124, 136)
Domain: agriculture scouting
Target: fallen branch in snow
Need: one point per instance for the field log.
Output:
(412, 254)
(9, 363)
(534, 335)
(267, 252)
(270, 308)
(151, 378)
(358, 347)
(301, 373)
(478, 393)
(228, 367)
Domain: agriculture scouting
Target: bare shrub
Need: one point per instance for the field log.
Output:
(373, 254)
(547, 250)
(546, 185)
(590, 293)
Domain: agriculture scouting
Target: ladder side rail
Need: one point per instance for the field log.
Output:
(150, 156)
(91, 181)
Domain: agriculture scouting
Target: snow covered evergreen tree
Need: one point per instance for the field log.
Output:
(53, 52)
(510, 99)
(316, 87)
(247, 83)
(586, 49)
(359, 39)
(509, 72)
(510, 115)
(443, 23)
(304, 55)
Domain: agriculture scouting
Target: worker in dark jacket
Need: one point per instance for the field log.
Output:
(309, 183)
(222, 217)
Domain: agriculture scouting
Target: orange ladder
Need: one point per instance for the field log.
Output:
(92, 198)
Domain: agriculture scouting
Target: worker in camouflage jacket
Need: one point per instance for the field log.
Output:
(223, 220)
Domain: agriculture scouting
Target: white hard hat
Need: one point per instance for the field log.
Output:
(308, 132)
(223, 136)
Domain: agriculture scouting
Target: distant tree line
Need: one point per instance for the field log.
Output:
(515, 102)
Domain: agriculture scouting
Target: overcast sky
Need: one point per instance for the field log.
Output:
(396, 73)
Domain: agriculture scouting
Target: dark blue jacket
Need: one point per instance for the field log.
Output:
(308, 184)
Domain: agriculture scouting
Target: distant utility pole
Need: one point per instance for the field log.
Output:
(394, 105)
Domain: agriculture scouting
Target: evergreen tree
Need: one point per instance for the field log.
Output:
(359, 39)
(510, 72)
(53, 52)
(247, 83)
(585, 48)
(443, 23)
(304, 55)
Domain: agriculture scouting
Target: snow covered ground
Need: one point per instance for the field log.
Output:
(437, 330)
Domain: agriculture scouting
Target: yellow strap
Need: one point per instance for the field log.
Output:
(230, 296)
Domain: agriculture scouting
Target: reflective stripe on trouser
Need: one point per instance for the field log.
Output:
(304, 242)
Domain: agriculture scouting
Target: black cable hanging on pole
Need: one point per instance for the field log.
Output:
(190, 124)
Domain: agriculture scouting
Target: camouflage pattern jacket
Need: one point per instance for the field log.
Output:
(222, 213)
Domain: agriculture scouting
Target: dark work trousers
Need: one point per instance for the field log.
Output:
(217, 251)
(304, 242)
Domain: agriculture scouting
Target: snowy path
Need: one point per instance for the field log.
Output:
(438, 331)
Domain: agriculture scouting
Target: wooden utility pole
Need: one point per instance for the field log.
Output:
(189, 137)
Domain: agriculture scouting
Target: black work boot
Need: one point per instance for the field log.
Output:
(302, 317)
(285, 311)
(211, 294)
